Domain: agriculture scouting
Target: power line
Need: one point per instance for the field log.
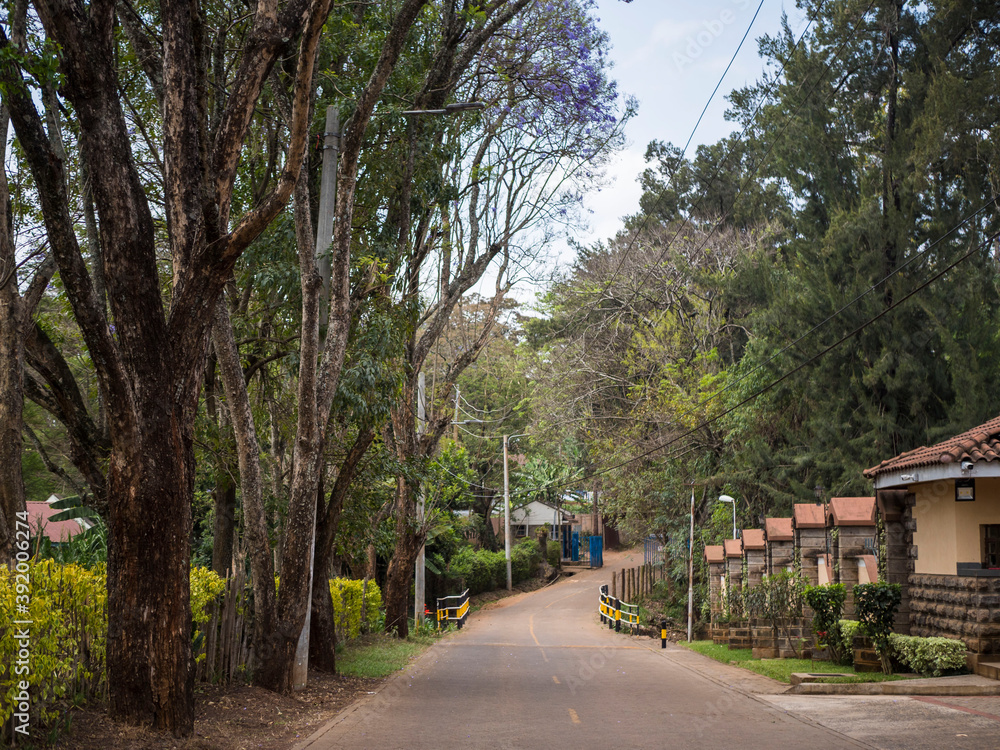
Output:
(802, 365)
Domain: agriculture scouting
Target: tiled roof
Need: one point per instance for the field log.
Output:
(809, 516)
(852, 511)
(753, 539)
(714, 553)
(39, 514)
(733, 548)
(981, 443)
(778, 529)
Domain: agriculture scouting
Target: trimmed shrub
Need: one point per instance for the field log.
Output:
(846, 630)
(827, 603)
(928, 656)
(346, 595)
(876, 605)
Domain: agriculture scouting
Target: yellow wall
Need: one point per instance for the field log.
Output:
(947, 532)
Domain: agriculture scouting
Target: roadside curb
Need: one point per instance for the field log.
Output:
(891, 688)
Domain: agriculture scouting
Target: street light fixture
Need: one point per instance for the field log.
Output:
(728, 499)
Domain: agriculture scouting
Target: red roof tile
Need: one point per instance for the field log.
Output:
(852, 511)
(39, 515)
(733, 548)
(981, 443)
(753, 539)
(808, 516)
(714, 553)
(778, 529)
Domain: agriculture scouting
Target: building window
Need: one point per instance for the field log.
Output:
(990, 534)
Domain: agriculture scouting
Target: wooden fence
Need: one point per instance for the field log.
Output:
(630, 583)
(224, 641)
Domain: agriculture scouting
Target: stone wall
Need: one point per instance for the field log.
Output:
(966, 608)
(715, 573)
(896, 509)
(740, 635)
(780, 555)
(849, 545)
(755, 566)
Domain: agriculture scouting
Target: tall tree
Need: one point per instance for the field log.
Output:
(149, 355)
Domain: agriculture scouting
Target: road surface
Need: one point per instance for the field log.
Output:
(539, 671)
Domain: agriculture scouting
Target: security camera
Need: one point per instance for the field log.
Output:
(967, 465)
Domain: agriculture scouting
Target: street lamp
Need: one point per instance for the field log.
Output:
(727, 499)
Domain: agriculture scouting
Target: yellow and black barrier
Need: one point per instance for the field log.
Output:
(453, 609)
(615, 612)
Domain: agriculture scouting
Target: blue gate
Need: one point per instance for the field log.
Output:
(575, 547)
(597, 552)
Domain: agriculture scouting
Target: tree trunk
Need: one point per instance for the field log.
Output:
(149, 656)
(224, 526)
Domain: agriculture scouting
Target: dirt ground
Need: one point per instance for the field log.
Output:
(228, 718)
(241, 717)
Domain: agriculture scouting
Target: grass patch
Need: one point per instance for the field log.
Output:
(377, 656)
(782, 669)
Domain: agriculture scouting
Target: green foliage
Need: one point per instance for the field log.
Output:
(378, 657)
(846, 630)
(554, 553)
(827, 604)
(928, 656)
(876, 605)
(67, 636)
(347, 594)
(524, 560)
(479, 570)
(776, 597)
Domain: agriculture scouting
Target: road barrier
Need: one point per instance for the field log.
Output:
(615, 612)
(453, 609)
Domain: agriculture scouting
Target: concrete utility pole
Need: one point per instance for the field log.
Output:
(419, 582)
(458, 395)
(506, 515)
(691, 568)
(324, 236)
(327, 206)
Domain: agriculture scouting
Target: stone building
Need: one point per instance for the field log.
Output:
(941, 509)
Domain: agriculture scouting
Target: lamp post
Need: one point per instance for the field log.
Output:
(728, 499)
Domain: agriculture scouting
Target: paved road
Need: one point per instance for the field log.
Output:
(539, 671)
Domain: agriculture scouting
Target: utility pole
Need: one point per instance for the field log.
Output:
(327, 206)
(454, 422)
(419, 582)
(691, 567)
(506, 515)
(324, 237)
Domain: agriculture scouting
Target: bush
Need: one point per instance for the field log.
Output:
(876, 605)
(846, 630)
(346, 595)
(928, 656)
(554, 553)
(480, 570)
(827, 603)
(524, 560)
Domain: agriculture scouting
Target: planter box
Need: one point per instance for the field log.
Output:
(865, 658)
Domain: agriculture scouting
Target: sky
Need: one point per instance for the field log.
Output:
(670, 54)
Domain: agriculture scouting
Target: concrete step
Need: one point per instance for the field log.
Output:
(990, 669)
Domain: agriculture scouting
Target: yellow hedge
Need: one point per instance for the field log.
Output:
(58, 644)
(346, 594)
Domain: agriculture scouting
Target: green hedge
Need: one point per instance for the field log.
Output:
(67, 634)
(482, 570)
(928, 656)
(346, 595)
